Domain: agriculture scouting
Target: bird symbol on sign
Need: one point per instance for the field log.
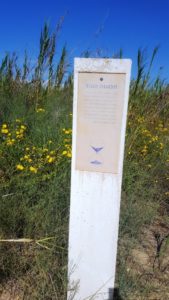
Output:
(95, 162)
(97, 149)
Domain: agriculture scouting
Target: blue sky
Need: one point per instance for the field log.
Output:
(106, 25)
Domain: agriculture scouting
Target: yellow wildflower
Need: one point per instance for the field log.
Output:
(26, 157)
(64, 152)
(51, 159)
(154, 138)
(4, 130)
(20, 167)
(33, 169)
(4, 126)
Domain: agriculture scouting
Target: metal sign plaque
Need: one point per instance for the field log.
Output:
(99, 121)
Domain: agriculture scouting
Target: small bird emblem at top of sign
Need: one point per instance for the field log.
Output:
(101, 78)
(97, 149)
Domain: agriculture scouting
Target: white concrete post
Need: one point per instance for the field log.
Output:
(101, 88)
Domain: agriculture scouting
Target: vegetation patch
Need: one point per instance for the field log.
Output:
(35, 158)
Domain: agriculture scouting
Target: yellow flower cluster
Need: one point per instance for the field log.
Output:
(67, 131)
(32, 169)
(27, 158)
(50, 159)
(140, 119)
(148, 137)
(4, 129)
(13, 133)
(67, 151)
(161, 128)
(20, 131)
(36, 159)
(144, 150)
(10, 142)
